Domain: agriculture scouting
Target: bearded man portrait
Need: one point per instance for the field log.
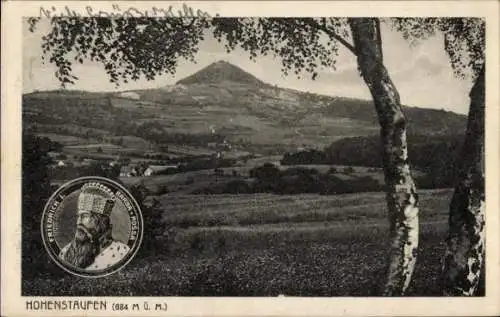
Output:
(93, 246)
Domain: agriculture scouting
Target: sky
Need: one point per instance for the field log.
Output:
(422, 73)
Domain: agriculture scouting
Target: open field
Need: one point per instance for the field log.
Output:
(187, 182)
(266, 245)
(288, 210)
(66, 140)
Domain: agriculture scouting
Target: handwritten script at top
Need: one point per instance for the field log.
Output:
(128, 12)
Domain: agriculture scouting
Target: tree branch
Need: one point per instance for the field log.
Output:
(379, 38)
(331, 33)
(190, 24)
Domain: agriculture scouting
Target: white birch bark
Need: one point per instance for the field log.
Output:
(401, 195)
(464, 257)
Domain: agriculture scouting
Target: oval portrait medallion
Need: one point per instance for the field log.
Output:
(92, 226)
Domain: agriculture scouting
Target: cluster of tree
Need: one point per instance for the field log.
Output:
(305, 157)
(36, 190)
(438, 122)
(162, 158)
(206, 163)
(62, 129)
(156, 133)
(436, 156)
(298, 43)
(45, 144)
(93, 169)
(270, 179)
(152, 218)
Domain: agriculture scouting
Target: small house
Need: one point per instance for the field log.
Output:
(156, 169)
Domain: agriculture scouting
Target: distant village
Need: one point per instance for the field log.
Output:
(123, 166)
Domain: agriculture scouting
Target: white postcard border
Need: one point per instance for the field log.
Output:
(14, 305)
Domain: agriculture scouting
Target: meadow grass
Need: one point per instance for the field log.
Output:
(301, 256)
(261, 209)
(258, 265)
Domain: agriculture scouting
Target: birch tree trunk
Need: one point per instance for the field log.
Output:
(464, 255)
(401, 196)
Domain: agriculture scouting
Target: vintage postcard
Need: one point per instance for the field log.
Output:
(241, 158)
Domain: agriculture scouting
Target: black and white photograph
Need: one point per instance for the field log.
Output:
(271, 173)
(326, 156)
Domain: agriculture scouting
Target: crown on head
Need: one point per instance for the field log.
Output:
(97, 198)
